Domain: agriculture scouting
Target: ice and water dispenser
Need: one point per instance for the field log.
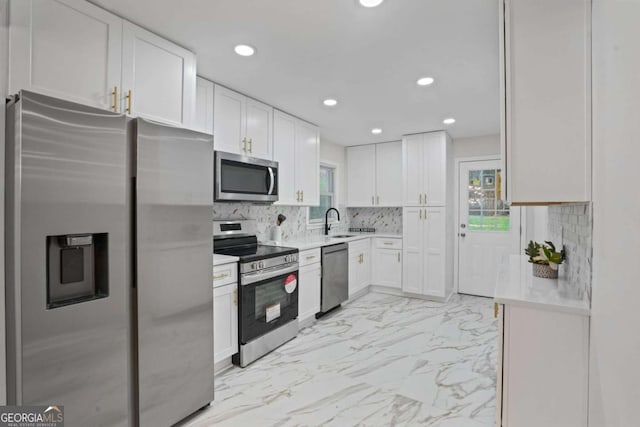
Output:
(77, 268)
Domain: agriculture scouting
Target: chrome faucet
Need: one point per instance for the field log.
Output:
(327, 227)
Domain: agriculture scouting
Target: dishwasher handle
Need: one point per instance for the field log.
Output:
(335, 248)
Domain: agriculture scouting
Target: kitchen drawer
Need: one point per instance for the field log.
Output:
(388, 243)
(360, 245)
(225, 274)
(311, 256)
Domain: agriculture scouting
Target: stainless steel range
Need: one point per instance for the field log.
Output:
(267, 289)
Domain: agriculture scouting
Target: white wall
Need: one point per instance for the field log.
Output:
(537, 223)
(4, 64)
(336, 154)
(477, 146)
(615, 320)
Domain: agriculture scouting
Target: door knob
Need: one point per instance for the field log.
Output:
(463, 225)
(463, 235)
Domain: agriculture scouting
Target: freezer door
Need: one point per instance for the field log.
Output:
(67, 326)
(174, 209)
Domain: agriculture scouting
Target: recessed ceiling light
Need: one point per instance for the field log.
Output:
(371, 3)
(330, 102)
(425, 81)
(244, 50)
(449, 121)
(376, 131)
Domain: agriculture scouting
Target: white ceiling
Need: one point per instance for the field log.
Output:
(368, 59)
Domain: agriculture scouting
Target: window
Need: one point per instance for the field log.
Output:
(327, 196)
(486, 211)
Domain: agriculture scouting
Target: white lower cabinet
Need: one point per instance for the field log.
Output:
(543, 367)
(309, 280)
(225, 314)
(387, 263)
(427, 264)
(359, 265)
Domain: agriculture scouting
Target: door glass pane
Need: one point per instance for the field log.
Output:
(269, 295)
(486, 211)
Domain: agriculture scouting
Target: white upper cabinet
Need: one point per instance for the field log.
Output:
(374, 175)
(389, 174)
(242, 125)
(546, 107)
(203, 118)
(158, 77)
(296, 148)
(308, 163)
(74, 50)
(69, 49)
(428, 168)
(284, 152)
(361, 175)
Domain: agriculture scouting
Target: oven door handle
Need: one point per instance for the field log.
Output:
(267, 273)
(272, 181)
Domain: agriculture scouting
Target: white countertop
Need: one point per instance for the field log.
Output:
(319, 241)
(223, 259)
(517, 286)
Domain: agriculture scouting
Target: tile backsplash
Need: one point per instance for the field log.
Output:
(384, 220)
(294, 228)
(571, 225)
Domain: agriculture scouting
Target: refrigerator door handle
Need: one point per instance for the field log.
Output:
(272, 180)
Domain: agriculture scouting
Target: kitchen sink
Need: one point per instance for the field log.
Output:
(342, 236)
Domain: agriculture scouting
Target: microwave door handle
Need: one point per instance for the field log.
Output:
(272, 180)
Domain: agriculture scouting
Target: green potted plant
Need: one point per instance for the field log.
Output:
(545, 259)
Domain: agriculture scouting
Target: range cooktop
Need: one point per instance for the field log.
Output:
(249, 253)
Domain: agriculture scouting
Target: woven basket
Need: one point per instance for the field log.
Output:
(544, 271)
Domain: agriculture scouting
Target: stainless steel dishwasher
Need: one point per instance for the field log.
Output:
(335, 277)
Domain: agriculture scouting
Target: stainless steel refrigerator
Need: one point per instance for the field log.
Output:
(108, 264)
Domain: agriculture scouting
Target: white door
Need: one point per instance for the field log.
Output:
(435, 173)
(69, 49)
(160, 75)
(412, 249)
(308, 163)
(309, 291)
(434, 252)
(413, 159)
(203, 119)
(229, 125)
(361, 175)
(225, 321)
(284, 152)
(259, 129)
(487, 228)
(389, 174)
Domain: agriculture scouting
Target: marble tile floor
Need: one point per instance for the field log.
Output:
(378, 361)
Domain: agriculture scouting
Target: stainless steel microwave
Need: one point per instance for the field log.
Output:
(245, 179)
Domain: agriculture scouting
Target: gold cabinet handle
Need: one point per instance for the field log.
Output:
(128, 98)
(495, 310)
(425, 198)
(250, 145)
(398, 256)
(302, 196)
(420, 213)
(377, 200)
(311, 257)
(419, 199)
(235, 297)
(387, 243)
(115, 98)
(373, 200)
(244, 144)
(221, 276)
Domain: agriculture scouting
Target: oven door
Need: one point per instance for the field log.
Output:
(267, 304)
(243, 178)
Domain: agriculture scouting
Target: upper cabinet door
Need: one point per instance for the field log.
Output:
(229, 121)
(547, 84)
(203, 118)
(435, 169)
(160, 75)
(307, 169)
(66, 48)
(389, 174)
(284, 152)
(361, 176)
(259, 132)
(413, 160)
